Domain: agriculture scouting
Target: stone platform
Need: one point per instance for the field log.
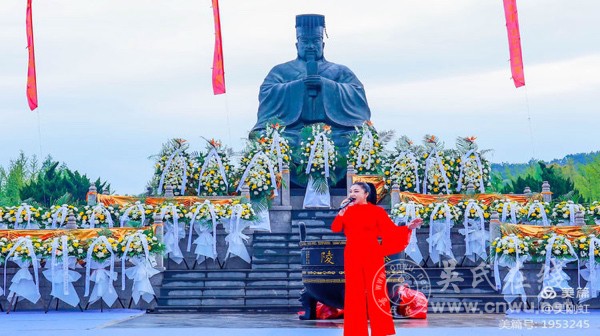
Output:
(136, 323)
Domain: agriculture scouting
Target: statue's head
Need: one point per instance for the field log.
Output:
(309, 35)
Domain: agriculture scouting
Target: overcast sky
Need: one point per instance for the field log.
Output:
(116, 78)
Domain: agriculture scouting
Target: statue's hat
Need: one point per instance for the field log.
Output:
(310, 25)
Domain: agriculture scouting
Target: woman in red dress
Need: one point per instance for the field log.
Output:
(363, 222)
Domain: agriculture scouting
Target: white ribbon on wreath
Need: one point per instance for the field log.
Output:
(100, 209)
(253, 162)
(412, 250)
(63, 211)
(439, 234)
(213, 154)
(413, 160)
(59, 273)
(514, 279)
(104, 288)
(27, 209)
(366, 145)
(463, 164)
(22, 283)
(276, 146)
(572, 209)
(474, 232)
(235, 238)
(513, 212)
(141, 272)
(438, 161)
(592, 273)
(172, 234)
(555, 276)
(539, 205)
(125, 217)
(171, 159)
(206, 244)
(313, 150)
(313, 197)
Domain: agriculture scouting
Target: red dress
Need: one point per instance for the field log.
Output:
(363, 265)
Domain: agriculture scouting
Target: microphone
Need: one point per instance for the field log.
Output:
(312, 69)
(345, 204)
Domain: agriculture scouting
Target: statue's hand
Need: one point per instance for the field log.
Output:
(313, 82)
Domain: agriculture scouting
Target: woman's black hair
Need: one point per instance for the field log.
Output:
(370, 189)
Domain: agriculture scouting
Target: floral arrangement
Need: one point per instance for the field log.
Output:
(594, 211)
(134, 214)
(581, 245)
(537, 247)
(399, 210)
(203, 214)
(440, 167)
(18, 218)
(136, 247)
(176, 167)
(169, 212)
(21, 252)
(226, 210)
(560, 249)
(316, 147)
(271, 142)
(365, 149)
(562, 211)
(510, 245)
(217, 173)
(100, 252)
(258, 172)
(474, 167)
(473, 213)
(536, 208)
(76, 248)
(440, 214)
(4, 242)
(48, 216)
(403, 167)
(102, 216)
(498, 206)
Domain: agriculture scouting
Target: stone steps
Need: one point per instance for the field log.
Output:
(231, 289)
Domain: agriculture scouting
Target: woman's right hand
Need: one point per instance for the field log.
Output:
(347, 199)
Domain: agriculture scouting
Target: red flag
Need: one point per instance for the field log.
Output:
(32, 98)
(514, 42)
(218, 74)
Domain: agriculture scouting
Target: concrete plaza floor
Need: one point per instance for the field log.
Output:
(135, 322)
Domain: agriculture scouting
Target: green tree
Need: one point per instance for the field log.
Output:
(562, 186)
(587, 180)
(20, 171)
(57, 183)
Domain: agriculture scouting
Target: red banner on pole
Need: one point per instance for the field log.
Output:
(514, 42)
(32, 98)
(218, 73)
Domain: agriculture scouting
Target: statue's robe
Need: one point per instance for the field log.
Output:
(340, 102)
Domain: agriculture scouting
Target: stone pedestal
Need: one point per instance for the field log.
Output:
(160, 234)
(92, 196)
(546, 193)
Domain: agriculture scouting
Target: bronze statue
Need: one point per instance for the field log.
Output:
(311, 89)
